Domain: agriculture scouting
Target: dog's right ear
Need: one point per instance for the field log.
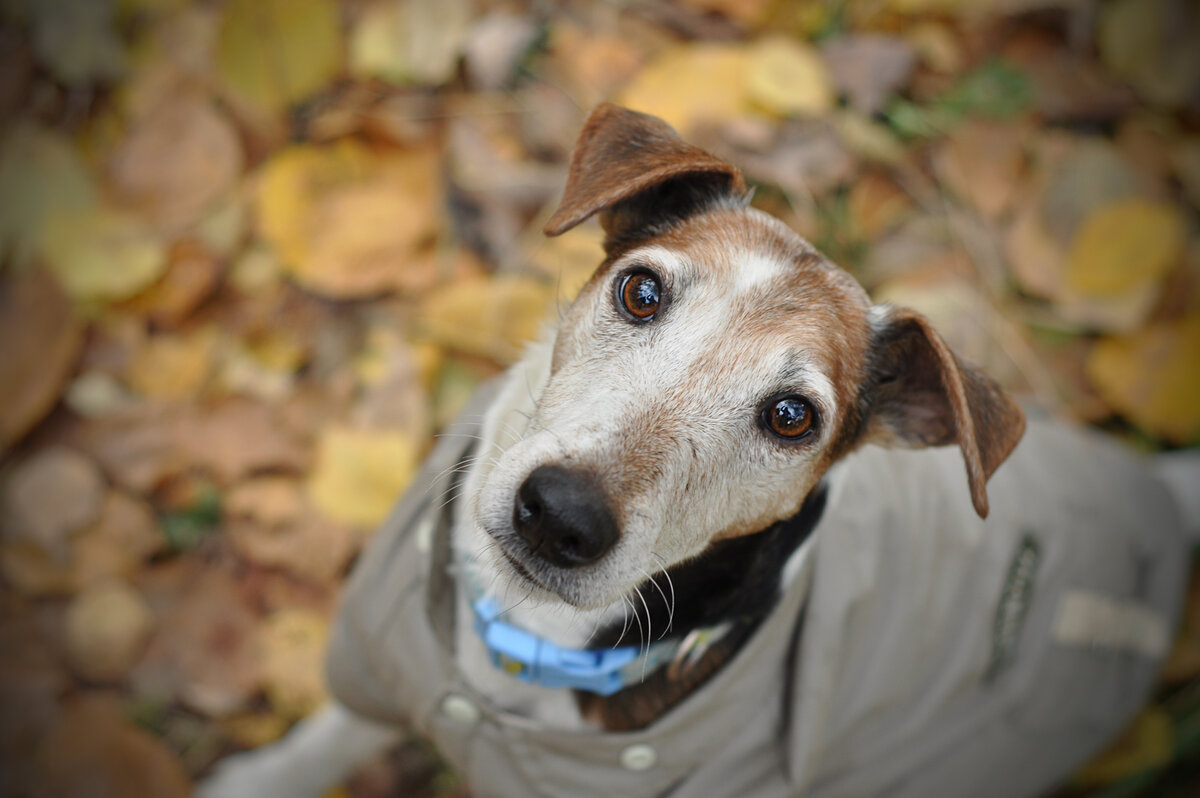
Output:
(639, 175)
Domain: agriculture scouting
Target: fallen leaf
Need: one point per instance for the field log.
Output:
(409, 41)
(787, 77)
(40, 171)
(95, 751)
(876, 205)
(273, 53)
(174, 366)
(1150, 44)
(495, 319)
(228, 439)
(253, 730)
(1151, 377)
(982, 162)
(50, 496)
(595, 62)
(868, 139)
(176, 160)
(120, 541)
(30, 571)
(691, 84)
(936, 45)
(293, 644)
(271, 522)
(1035, 257)
(192, 275)
(360, 473)
(106, 628)
(802, 157)
(205, 648)
(1125, 246)
(42, 339)
(868, 68)
(1090, 174)
(747, 13)
(1146, 746)
(101, 254)
(346, 221)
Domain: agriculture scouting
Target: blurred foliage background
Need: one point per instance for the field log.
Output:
(257, 252)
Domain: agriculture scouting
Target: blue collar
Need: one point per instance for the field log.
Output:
(535, 660)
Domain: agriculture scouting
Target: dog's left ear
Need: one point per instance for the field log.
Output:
(638, 174)
(920, 394)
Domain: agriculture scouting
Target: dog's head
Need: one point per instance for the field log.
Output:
(707, 376)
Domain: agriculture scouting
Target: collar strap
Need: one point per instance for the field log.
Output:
(535, 660)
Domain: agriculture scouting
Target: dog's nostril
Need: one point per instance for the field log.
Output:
(564, 517)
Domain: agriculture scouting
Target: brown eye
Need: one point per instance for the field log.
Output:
(790, 417)
(640, 294)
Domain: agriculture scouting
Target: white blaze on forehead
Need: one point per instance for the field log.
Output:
(752, 269)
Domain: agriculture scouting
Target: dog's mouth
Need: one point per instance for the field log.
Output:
(522, 571)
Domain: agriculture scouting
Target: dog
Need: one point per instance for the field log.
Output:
(735, 530)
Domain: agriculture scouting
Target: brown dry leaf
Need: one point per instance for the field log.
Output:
(1035, 258)
(49, 497)
(360, 473)
(293, 644)
(193, 273)
(30, 571)
(42, 338)
(936, 45)
(271, 522)
(982, 162)
(122, 539)
(690, 84)
(345, 221)
(229, 439)
(101, 254)
(494, 319)
(868, 68)
(94, 751)
(1151, 377)
(1125, 246)
(876, 205)
(747, 13)
(174, 366)
(410, 41)
(107, 626)
(178, 157)
(204, 649)
(597, 63)
(274, 53)
(787, 77)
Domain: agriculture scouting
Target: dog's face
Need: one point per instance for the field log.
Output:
(705, 379)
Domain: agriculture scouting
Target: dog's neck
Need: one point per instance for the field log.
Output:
(731, 587)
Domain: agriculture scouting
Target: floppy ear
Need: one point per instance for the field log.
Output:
(637, 172)
(919, 394)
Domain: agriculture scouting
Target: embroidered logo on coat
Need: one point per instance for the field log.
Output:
(1013, 605)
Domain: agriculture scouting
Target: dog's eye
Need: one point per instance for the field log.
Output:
(790, 417)
(640, 295)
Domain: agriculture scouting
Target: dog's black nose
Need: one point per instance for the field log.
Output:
(564, 516)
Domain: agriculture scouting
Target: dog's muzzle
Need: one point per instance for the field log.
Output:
(564, 517)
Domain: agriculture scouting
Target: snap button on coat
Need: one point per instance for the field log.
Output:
(638, 757)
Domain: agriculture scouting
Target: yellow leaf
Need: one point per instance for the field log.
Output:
(1152, 377)
(494, 319)
(272, 53)
(293, 646)
(345, 222)
(360, 473)
(100, 254)
(173, 367)
(1124, 246)
(40, 172)
(410, 40)
(691, 83)
(1149, 743)
(787, 77)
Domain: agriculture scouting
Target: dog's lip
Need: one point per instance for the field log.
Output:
(521, 569)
